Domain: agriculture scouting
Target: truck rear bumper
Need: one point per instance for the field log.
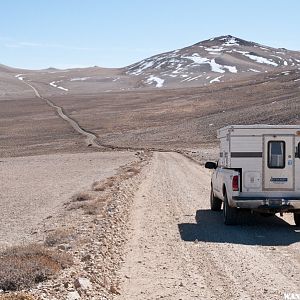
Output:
(268, 204)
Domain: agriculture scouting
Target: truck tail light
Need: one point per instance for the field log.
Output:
(235, 183)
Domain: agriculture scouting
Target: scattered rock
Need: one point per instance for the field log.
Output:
(86, 257)
(114, 290)
(82, 283)
(73, 296)
(95, 243)
(64, 247)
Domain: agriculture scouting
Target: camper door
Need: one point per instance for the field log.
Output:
(279, 162)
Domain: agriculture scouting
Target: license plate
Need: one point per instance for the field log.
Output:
(275, 202)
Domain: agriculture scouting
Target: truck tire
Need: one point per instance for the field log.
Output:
(297, 219)
(230, 213)
(215, 203)
(267, 215)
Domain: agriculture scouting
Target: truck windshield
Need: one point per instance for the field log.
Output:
(276, 154)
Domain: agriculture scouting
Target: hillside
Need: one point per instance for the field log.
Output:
(221, 59)
(122, 110)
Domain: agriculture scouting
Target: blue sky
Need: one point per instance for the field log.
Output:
(114, 33)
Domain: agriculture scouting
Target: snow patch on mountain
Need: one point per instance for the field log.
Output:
(19, 76)
(230, 41)
(217, 79)
(194, 78)
(143, 66)
(261, 60)
(253, 70)
(79, 78)
(197, 59)
(159, 81)
(215, 49)
(231, 69)
(215, 67)
(53, 83)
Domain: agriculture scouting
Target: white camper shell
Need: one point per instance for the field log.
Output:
(258, 169)
(267, 156)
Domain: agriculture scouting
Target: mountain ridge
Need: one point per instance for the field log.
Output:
(220, 59)
(226, 55)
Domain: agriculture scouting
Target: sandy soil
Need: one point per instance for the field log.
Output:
(179, 249)
(34, 188)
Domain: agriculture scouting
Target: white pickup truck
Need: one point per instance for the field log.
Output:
(258, 170)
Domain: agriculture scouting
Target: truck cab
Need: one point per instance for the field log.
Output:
(258, 169)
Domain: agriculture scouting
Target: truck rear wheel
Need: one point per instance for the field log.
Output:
(230, 213)
(297, 219)
(215, 203)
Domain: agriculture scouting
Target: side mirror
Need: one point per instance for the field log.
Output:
(210, 165)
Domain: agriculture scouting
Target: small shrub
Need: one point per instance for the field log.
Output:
(18, 296)
(59, 236)
(98, 186)
(101, 186)
(133, 171)
(23, 267)
(81, 196)
(93, 208)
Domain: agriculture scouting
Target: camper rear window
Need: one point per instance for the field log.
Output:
(276, 154)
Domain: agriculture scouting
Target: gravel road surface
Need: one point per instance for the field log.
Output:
(179, 249)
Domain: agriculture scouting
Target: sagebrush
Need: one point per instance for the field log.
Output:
(23, 267)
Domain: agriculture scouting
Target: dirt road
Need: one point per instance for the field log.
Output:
(179, 249)
(91, 138)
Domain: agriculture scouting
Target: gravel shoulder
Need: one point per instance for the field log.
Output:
(36, 187)
(179, 249)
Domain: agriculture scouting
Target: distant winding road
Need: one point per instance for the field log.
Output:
(91, 138)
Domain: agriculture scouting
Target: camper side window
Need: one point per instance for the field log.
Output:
(276, 154)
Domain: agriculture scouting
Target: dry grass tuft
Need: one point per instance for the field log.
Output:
(133, 171)
(58, 237)
(94, 208)
(101, 186)
(98, 186)
(23, 267)
(81, 196)
(18, 296)
(91, 208)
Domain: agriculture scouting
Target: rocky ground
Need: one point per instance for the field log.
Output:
(147, 233)
(93, 233)
(179, 249)
(35, 188)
